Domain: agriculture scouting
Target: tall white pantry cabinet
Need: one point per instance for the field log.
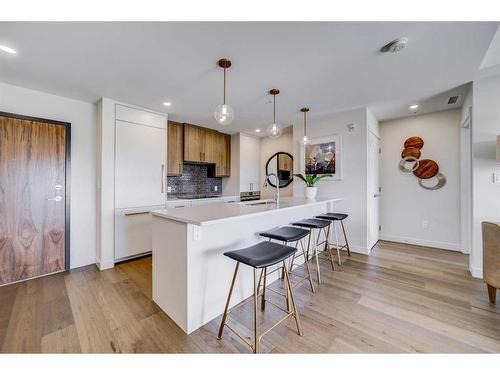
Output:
(140, 177)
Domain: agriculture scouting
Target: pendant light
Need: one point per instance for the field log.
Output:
(274, 130)
(223, 113)
(304, 111)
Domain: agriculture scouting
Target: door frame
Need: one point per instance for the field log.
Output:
(370, 194)
(67, 182)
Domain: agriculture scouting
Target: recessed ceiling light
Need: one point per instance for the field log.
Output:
(12, 51)
(167, 104)
(414, 107)
(257, 130)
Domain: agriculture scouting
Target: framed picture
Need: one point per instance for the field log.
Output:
(324, 155)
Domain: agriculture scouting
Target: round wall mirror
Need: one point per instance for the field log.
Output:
(281, 164)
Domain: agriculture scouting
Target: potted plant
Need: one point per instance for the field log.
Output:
(310, 190)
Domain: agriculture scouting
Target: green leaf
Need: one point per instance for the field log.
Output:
(311, 179)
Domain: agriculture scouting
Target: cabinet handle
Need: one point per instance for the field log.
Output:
(162, 178)
(137, 213)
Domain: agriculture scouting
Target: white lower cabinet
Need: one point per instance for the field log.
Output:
(133, 232)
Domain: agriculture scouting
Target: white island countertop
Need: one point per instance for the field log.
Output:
(221, 212)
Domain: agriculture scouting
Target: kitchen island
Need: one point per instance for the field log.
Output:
(191, 276)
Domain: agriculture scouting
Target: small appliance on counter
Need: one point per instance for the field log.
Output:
(249, 196)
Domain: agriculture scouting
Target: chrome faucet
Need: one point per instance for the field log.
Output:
(277, 192)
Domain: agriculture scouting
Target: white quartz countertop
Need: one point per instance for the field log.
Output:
(220, 212)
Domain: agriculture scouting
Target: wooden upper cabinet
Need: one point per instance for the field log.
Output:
(175, 148)
(210, 138)
(222, 155)
(202, 145)
(194, 143)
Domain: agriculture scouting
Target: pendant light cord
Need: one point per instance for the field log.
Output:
(274, 108)
(305, 124)
(224, 85)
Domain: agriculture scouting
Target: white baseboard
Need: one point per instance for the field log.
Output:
(104, 265)
(359, 249)
(419, 242)
(476, 272)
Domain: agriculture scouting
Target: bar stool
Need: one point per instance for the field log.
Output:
(261, 256)
(287, 235)
(318, 225)
(334, 217)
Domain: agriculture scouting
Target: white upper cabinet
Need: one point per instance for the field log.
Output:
(140, 117)
(140, 165)
(250, 155)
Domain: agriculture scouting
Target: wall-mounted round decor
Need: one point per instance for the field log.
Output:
(427, 168)
(408, 164)
(416, 142)
(411, 151)
(439, 182)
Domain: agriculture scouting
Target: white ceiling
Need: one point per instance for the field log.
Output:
(328, 66)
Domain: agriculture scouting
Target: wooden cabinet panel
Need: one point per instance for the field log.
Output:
(209, 138)
(203, 145)
(175, 148)
(194, 143)
(222, 144)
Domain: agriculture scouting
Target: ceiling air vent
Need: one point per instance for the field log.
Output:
(453, 99)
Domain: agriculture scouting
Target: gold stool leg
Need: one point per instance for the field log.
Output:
(337, 243)
(263, 300)
(255, 317)
(309, 277)
(328, 247)
(345, 237)
(315, 254)
(224, 316)
(294, 306)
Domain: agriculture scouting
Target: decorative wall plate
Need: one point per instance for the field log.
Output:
(403, 164)
(416, 142)
(439, 183)
(427, 169)
(411, 151)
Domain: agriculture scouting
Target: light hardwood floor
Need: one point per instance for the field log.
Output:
(399, 299)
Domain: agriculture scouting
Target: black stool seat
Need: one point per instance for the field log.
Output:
(312, 223)
(332, 216)
(264, 254)
(288, 234)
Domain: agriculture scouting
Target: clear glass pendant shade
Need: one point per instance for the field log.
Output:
(224, 114)
(274, 130)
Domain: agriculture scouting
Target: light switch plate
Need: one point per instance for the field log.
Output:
(496, 177)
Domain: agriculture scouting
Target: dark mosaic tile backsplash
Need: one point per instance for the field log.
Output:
(195, 181)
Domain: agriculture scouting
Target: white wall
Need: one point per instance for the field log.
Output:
(353, 186)
(485, 194)
(404, 204)
(466, 175)
(269, 147)
(82, 117)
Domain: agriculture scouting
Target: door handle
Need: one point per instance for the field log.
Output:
(376, 195)
(57, 198)
(162, 178)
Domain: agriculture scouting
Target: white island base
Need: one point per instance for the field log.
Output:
(191, 276)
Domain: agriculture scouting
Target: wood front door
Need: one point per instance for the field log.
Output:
(33, 197)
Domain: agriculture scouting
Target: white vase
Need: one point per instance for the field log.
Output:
(310, 192)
